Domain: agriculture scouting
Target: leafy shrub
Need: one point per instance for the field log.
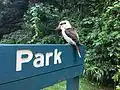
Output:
(42, 20)
(39, 23)
(103, 41)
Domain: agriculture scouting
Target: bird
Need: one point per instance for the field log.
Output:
(69, 33)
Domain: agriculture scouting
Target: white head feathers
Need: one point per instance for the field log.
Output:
(65, 24)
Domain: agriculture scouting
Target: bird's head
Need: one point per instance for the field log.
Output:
(65, 24)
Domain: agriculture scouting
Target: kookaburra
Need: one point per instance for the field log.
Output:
(70, 34)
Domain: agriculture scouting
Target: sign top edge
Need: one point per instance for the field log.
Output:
(34, 44)
(11, 45)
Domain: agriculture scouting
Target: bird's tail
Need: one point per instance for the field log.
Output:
(78, 51)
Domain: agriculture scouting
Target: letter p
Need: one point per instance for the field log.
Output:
(20, 59)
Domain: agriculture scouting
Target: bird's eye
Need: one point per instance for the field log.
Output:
(63, 23)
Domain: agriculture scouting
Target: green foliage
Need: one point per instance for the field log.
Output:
(41, 19)
(116, 78)
(38, 27)
(84, 85)
(103, 41)
(17, 37)
(98, 25)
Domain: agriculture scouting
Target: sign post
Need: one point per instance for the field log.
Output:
(33, 67)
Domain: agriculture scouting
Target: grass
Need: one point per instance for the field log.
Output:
(84, 85)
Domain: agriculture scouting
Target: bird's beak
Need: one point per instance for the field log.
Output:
(58, 28)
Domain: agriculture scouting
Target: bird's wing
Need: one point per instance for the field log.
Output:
(71, 32)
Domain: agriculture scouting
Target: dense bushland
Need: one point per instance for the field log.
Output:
(98, 25)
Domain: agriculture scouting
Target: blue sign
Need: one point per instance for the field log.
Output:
(33, 67)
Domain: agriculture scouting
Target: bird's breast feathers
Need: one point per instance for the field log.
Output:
(67, 38)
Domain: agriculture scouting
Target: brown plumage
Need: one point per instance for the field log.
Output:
(71, 32)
